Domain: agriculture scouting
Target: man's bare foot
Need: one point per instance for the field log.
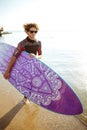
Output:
(26, 101)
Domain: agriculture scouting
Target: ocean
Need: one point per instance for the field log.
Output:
(66, 56)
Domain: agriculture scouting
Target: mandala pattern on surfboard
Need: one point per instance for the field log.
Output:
(42, 83)
(33, 78)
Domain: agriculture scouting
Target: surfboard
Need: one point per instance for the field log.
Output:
(39, 83)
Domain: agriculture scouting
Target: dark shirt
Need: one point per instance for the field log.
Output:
(28, 45)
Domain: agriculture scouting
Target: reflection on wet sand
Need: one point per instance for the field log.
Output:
(83, 118)
(31, 114)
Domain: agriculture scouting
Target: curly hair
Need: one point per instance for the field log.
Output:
(27, 26)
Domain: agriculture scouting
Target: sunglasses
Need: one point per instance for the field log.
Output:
(32, 31)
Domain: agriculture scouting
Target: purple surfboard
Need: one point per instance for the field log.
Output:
(39, 83)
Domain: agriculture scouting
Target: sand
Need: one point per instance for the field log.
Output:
(15, 115)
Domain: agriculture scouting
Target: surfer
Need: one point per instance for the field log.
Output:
(29, 44)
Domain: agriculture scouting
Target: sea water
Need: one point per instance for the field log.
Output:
(66, 54)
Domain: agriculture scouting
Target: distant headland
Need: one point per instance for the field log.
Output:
(3, 32)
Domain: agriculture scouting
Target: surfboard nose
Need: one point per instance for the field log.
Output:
(69, 104)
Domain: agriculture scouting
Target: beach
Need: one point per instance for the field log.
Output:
(15, 115)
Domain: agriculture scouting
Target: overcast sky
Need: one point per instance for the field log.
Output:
(56, 15)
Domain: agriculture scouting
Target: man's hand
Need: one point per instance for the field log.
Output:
(32, 55)
(6, 75)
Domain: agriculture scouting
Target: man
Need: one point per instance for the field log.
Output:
(29, 44)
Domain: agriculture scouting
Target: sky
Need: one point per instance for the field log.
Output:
(56, 15)
(68, 16)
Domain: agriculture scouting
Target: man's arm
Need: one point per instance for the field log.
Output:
(11, 63)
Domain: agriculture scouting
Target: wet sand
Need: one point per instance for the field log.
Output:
(15, 115)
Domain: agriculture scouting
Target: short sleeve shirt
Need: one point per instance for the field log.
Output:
(28, 45)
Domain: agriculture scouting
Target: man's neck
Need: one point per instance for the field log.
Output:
(33, 39)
